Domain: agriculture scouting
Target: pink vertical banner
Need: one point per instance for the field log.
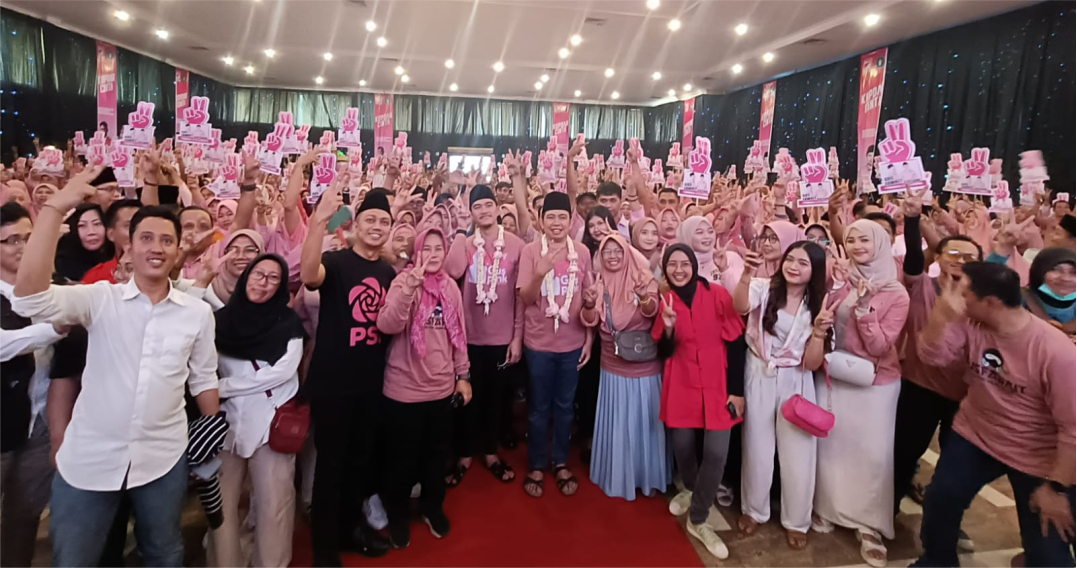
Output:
(183, 91)
(689, 131)
(561, 118)
(106, 89)
(766, 114)
(383, 124)
(872, 77)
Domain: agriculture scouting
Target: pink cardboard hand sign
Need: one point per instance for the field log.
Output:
(50, 162)
(328, 141)
(138, 132)
(786, 166)
(215, 151)
(400, 143)
(899, 166)
(832, 162)
(355, 161)
(225, 184)
(194, 125)
(123, 166)
(617, 156)
(897, 146)
(348, 133)
(817, 185)
(977, 173)
(1001, 201)
(756, 162)
(272, 150)
(1033, 174)
(547, 172)
(323, 175)
(80, 143)
(698, 176)
(97, 151)
(674, 159)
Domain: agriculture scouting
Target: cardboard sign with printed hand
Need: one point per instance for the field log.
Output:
(250, 143)
(674, 159)
(817, 185)
(328, 140)
(97, 151)
(355, 161)
(226, 184)
(272, 150)
(1001, 200)
(832, 162)
(1033, 174)
(80, 143)
(547, 172)
(899, 166)
(194, 124)
(756, 162)
(348, 133)
(582, 161)
(323, 175)
(698, 176)
(49, 162)
(138, 132)
(123, 166)
(214, 152)
(955, 173)
(977, 175)
(786, 166)
(617, 156)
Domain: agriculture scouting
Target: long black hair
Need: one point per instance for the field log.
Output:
(814, 292)
(598, 211)
(73, 259)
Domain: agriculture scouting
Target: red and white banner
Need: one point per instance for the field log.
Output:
(561, 118)
(689, 132)
(872, 78)
(766, 114)
(183, 90)
(383, 124)
(106, 89)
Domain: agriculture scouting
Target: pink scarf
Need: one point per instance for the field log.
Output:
(662, 239)
(621, 285)
(788, 234)
(432, 295)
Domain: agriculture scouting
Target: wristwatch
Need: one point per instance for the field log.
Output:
(1057, 486)
(466, 377)
(250, 187)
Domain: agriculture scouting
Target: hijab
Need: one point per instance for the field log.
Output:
(258, 332)
(704, 259)
(1045, 261)
(621, 285)
(733, 236)
(637, 230)
(401, 228)
(229, 204)
(687, 292)
(787, 234)
(432, 294)
(73, 260)
(224, 284)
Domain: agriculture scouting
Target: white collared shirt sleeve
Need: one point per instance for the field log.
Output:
(15, 342)
(65, 305)
(203, 361)
(267, 377)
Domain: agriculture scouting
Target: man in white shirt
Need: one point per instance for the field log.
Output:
(25, 468)
(128, 430)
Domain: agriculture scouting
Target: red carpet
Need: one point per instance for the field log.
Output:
(496, 524)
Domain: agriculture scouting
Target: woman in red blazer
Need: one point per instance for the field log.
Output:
(701, 338)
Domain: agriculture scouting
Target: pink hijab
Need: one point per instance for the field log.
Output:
(224, 284)
(621, 285)
(402, 228)
(433, 294)
(788, 234)
(662, 239)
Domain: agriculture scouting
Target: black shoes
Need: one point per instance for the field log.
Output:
(438, 523)
(399, 535)
(366, 542)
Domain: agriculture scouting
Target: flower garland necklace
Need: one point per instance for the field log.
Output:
(560, 313)
(487, 297)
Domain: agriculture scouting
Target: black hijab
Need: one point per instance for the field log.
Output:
(1046, 260)
(73, 260)
(258, 332)
(688, 291)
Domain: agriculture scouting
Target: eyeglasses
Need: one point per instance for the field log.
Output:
(953, 255)
(766, 239)
(16, 240)
(259, 276)
(821, 241)
(612, 252)
(244, 250)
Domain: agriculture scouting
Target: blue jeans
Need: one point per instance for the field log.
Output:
(80, 520)
(553, 384)
(963, 470)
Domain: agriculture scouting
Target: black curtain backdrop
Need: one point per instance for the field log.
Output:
(1006, 83)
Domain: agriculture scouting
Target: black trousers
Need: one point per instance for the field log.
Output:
(919, 412)
(587, 392)
(346, 429)
(417, 436)
(477, 425)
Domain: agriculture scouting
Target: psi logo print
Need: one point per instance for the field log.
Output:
(366, 299)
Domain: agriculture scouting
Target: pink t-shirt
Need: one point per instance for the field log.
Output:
(1020, 404)
(946, 381)
(538, 329)
(505, 321)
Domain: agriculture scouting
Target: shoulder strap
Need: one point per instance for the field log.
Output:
(609, 312)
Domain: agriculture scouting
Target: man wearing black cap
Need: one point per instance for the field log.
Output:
(554, 270)
(108, 189)
(346, 373)
(489, 261)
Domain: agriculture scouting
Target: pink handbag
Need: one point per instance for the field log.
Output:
(808, 416)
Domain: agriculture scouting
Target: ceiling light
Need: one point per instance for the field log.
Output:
(615, 95)
(163, 34)
(871, 19)
(249, 69)
(371, 25)
(736, 68)
(544, 78)
(362, 82)
(449, 64)
(270, 53)
(327, 56)
(538, 85)
(672, 92)
(674, 25)
(499, 66)
(768, 57)
(741, 29)
(653, 4)
(121, 15)
(656, 75)
(382, 42)
(399, 70)
(405, 79)
(687, 87)
(578, 93)
(453, 87)
(609, 72)
(575, 40)
(319, 80)
(490, 89)
(563, 53)
(228, 60)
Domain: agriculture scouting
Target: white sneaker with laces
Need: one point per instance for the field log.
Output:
(681, 503)
(709, 538)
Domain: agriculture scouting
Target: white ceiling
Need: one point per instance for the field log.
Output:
(525, 34)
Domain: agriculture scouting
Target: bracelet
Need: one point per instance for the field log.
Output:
(246, 188)
(466, 377)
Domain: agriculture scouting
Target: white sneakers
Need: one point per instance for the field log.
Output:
(681, 503)
(709, 538)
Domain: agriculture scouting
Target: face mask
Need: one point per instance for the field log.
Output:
(1047, 291)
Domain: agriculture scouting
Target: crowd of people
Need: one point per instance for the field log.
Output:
(403, 312)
